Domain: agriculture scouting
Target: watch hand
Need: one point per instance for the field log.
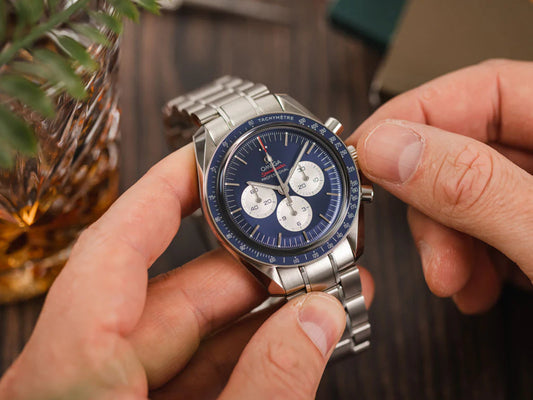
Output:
(257, 198)
(298, 159)
(266, 186)
(293, 211)
(284, 187)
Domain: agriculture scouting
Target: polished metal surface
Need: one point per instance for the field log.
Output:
(338, 276)
(220, 107)
(367, 193)
(334, 126)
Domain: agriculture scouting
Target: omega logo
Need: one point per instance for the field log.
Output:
(265, 168)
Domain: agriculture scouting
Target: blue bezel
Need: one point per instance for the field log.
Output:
(219, 217)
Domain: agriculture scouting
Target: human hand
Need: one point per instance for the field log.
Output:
(105, 332)
(471, 191)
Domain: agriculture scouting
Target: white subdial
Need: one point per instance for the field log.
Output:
(294, 217)
(258, 202)
(308, 179)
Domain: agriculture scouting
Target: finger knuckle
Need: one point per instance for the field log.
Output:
(284, 366)
(463, 179)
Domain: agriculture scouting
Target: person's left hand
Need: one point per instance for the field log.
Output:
(106, 333)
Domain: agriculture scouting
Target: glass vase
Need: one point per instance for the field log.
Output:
(46, 200)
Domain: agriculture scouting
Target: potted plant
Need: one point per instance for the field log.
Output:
(59, 130)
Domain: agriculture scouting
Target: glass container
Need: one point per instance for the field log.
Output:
(46, 200)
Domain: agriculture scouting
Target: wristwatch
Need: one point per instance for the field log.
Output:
(281, 191)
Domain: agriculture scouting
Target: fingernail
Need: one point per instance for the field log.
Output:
(392, 152)
(323, 320)
(425, 253)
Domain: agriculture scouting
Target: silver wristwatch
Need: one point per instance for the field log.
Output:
(281, 192)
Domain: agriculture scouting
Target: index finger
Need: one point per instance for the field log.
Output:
(103, 285)
(490, 102)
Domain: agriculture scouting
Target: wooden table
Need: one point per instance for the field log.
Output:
(422, 346)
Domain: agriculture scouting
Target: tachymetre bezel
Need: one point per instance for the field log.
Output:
(219, 215)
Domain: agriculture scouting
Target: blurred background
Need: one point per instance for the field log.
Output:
(340, 59)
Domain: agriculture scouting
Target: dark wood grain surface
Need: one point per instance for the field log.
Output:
(423, 348)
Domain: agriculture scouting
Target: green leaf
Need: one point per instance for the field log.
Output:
(30, 69)
(52, 4)
(112, 22)
(6, 157)
(77, 52)
(16, 133)
(126, 8)
(28, 11)
(37, 32)
(91, 33)
(28, 93)
(149, 5)
(58, 71)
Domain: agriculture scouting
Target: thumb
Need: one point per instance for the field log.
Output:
(285, 359)
(457, 181)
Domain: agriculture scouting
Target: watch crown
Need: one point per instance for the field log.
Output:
(334, 126)
(367, 193)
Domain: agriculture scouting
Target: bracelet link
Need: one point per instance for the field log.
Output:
(338, 276)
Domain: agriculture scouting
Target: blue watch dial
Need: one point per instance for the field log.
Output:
(282, 189)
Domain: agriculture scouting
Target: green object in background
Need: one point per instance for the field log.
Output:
(374, 20)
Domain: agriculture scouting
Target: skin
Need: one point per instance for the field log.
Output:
(106, 332)
(470, 198)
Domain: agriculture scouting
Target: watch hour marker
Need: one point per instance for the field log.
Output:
(286, 139)
(333, 194)
(241, 160)
(305, 236)
(330, 167)
(255, 230)
(279, 239)
(311, 148)
(232, 184)
(325, 219)
(236, 211)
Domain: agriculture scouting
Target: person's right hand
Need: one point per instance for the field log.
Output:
(459, 151)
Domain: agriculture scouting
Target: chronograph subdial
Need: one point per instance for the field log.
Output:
(308, 179)
(258, 202)
(295, 215)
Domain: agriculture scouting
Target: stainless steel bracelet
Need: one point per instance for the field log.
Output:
(337, 275)
(220, 107)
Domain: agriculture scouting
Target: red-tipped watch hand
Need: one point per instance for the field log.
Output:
(283, 185)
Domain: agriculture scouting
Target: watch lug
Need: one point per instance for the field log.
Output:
(267, 275)
(288, 104)
(280, 281)
(199, 150)
(356, 236)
